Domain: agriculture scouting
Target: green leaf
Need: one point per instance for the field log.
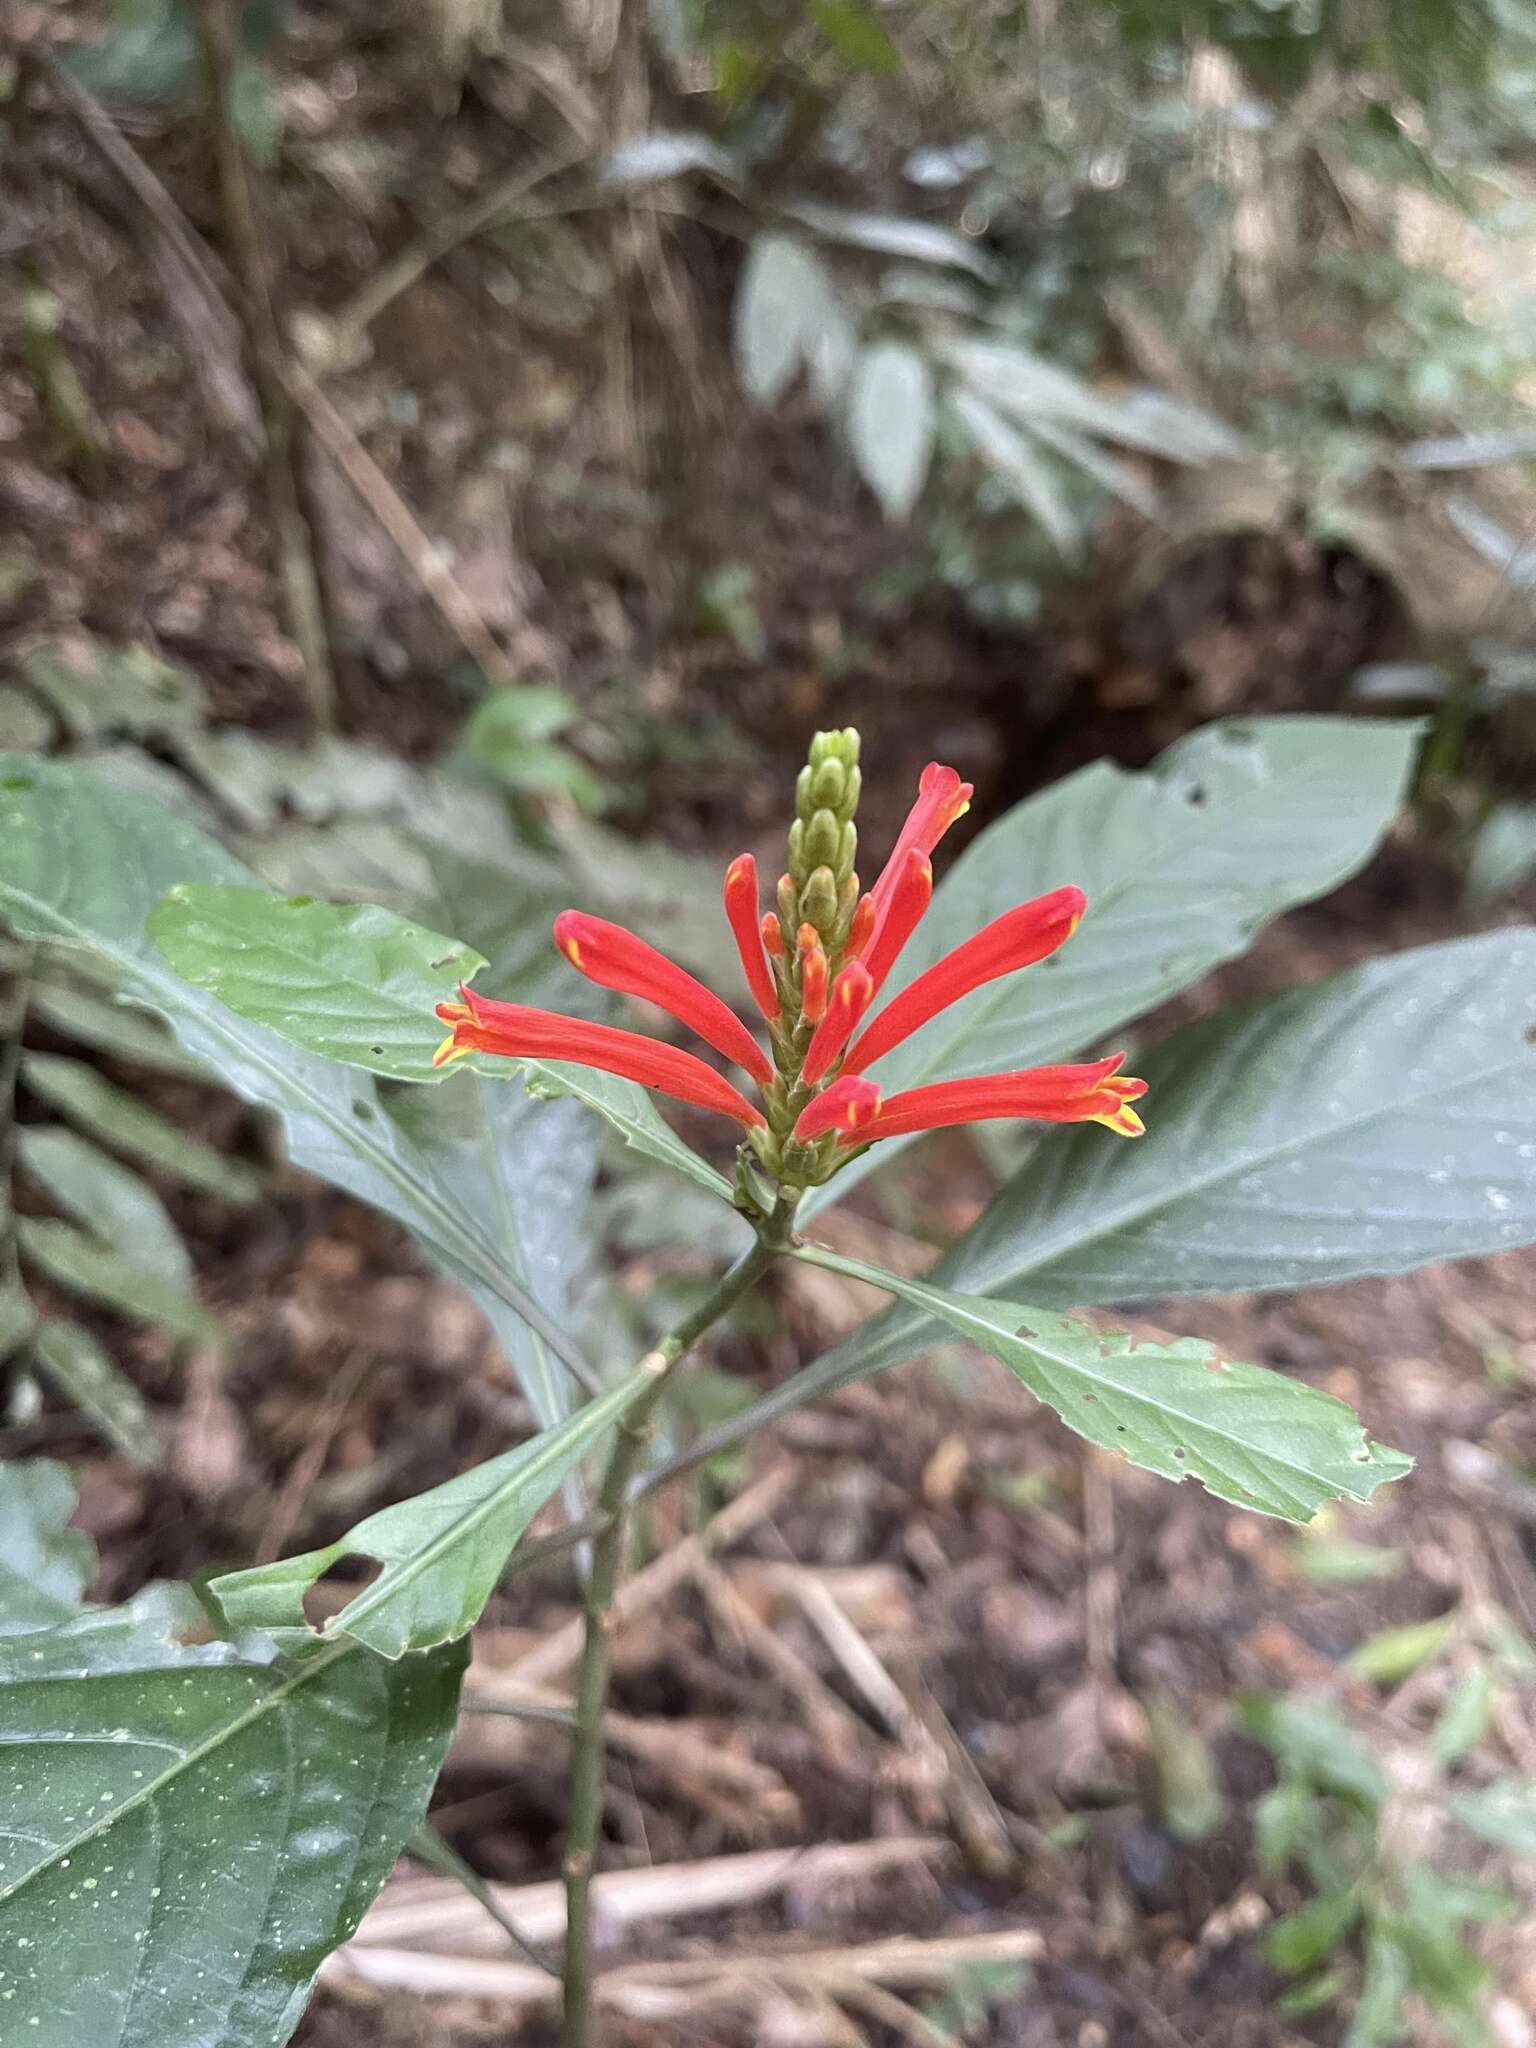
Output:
(856, 36)
(891, 423)
(528, 1168)
(97, 1273)
(359, 985)
(114, 1203)
(44, 1564)
(1378, 2016)
(1308, 1738)
(1504, 1814)
(89, 1378)
(1010, 457)
(1503, 855)
(121, 1120)
(1303, 1939)
(117, 689)
(351, 983)
(1393, 1654)
(1466, 1716)
(1183, 864)
(442, 1552)
(192, 1830)
(1373, 1122)
(894, 234)
(82, 865)
(779, 304)
(1250, 1436)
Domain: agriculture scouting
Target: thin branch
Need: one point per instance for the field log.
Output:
(218, 33)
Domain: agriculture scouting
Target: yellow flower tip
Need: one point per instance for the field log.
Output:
(1124, 1122)
(571, 950)
(450, 1049)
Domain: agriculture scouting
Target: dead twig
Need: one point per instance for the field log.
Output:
(674, 1989)
(560, 1649)
(399, 522)
(837, 1729)
(218, 33)
(434, 1911)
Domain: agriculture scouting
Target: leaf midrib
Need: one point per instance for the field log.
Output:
(955, 1313)
(268, 1702)
(389, 1583)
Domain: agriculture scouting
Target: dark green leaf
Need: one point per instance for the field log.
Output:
(192, 1830)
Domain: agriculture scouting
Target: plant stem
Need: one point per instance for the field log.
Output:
(588, 1754)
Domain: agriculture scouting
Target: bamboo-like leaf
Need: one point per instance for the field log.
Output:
(127, 1125)
(85, 1267)
(891, 423)
(94, 1383)
(110, 1200)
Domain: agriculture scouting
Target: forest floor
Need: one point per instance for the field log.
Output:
(940, 1671)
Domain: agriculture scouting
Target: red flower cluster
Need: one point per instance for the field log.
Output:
(831, 1006)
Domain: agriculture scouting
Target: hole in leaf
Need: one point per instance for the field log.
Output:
(1195, 794)
(377, 1051)
(363, 1111)
(346, 1578)
(1530, 1035)
(1179, 1451)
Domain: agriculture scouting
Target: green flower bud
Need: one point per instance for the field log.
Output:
(835, 746)
(805, 798)
(798, 864)
(847, 851)
(822, 840)
(829, 784)
(854, 783)
(818, 900)
(789, 911)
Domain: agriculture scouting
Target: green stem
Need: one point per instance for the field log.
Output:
(587, 1748)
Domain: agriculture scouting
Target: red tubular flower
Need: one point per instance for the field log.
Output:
(773, 936)
(1096, 1093)
(861, 927)
(617, 959)
(852, 994)
(908, 899)
(741, 910)
(848, 1107)
(813, 974)
(941, 798)
(477, 1024)
(1016, 939)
